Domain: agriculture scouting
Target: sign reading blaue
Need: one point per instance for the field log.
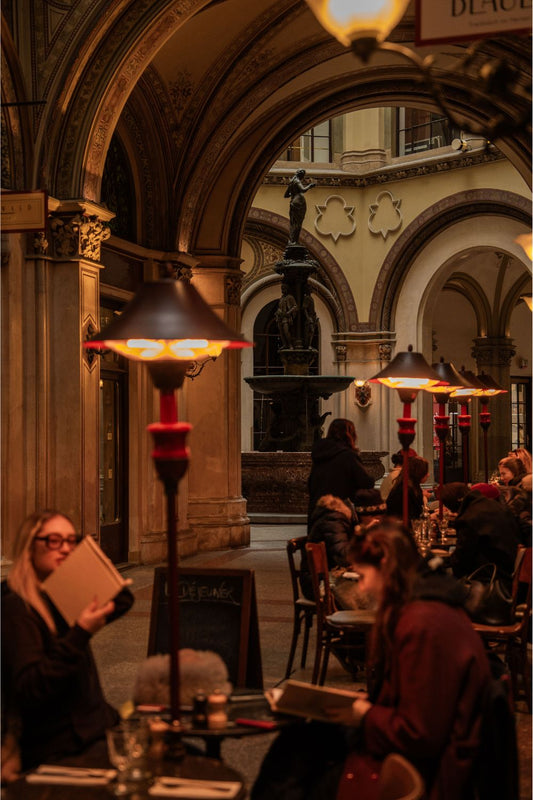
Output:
(460, 20)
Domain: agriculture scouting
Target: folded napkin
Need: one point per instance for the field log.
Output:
(75, 776)
(191, 788)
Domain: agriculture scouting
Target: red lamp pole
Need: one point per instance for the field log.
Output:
(464, 421)
(406, 435)
(171, 459)
(408, 372)
(168, 325)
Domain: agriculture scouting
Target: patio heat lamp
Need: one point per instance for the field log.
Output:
(408, 372)
(490, 389)
(441, 394)
(464, 419)
(168, 325)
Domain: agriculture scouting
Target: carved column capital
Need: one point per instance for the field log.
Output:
(232, 289)
(78, 235)
(493, 351)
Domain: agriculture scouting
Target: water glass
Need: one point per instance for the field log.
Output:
(127, 747)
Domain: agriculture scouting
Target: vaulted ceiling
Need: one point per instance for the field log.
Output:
(205, 95)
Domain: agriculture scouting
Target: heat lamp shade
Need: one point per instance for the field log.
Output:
(450, 376)
(408, 370)
(473, 386)
(490, 387)
(349, 20)
(167, 320)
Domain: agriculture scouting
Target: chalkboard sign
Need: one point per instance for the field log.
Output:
(217, 611)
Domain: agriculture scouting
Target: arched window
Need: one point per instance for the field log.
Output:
(267, 361)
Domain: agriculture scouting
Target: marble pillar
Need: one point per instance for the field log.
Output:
(216, 508)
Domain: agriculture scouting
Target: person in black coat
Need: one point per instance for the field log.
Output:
(49, 677)
(336, 466)
(487, 533)
(332, 522)
(418, 471)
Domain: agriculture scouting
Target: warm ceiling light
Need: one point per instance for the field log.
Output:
(364, 25)
(525, 242)
(350, 20)
(527, 300)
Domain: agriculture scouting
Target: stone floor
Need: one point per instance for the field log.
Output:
(122, 646)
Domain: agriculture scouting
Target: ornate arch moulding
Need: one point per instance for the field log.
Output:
(432, 221)
(84, 146)
(278, 223)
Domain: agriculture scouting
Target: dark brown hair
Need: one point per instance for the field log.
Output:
(388, 546)
(343, 430)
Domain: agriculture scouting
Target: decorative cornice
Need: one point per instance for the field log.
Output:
(399, 172)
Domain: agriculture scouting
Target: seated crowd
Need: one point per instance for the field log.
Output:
(429, 674)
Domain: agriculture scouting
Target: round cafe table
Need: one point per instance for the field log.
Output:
(199, 767)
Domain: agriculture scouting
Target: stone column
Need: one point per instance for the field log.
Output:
(493, 355)
(363, 130)
(217, 510)
(72, 297)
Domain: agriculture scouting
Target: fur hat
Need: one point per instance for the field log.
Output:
(200, 671)
(369, 503)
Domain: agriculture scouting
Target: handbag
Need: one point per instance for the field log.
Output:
(487, 603)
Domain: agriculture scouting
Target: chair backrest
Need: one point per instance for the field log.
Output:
(295, 546)
(524, 566)
(399, 780)
(521, 575)
(318, 567)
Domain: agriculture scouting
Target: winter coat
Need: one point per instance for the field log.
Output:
(487, 533)
(51, 681)
(428, 707)
(415, 501)
(332, 522)
(336, 469)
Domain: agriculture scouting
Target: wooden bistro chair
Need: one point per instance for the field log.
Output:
(304, 609)
(511, 640)
(340, 631)
(399, 780)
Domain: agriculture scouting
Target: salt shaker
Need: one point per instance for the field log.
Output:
(217, 711)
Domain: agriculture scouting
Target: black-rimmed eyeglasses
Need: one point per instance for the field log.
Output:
(54, 541)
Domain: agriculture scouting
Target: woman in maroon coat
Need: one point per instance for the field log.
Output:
(430, 678)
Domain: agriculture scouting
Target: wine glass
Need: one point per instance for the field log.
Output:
(125, 748)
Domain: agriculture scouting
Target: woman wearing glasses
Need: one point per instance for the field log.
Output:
(49, 677)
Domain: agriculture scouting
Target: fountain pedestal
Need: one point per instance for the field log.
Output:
(276, 483)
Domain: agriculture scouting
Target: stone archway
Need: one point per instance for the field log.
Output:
(437, 263)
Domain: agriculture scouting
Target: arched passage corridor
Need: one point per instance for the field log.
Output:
(202, 98)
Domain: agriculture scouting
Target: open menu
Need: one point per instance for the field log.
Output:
(308, 700)
(86, 573)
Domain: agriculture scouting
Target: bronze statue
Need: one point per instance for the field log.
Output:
(285, 315)
(297, 208)
(310, 318)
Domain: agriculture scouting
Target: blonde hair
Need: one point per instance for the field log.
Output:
(22, 577)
